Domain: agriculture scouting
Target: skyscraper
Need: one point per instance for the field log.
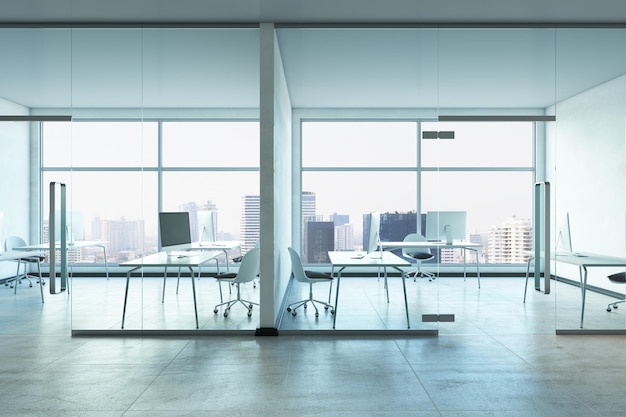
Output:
(320, 239)
(508, 241)
(250, 224)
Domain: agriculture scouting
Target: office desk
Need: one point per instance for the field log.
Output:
(14, 255)
(584, 261)
(163, 260)
(77, 244)
(343, 260)
(223, 245)
(440, 245)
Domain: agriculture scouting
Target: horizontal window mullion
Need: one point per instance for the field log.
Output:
(348, 169)
(95, 169)
(412, 169)
(207, 169)
(152, 169)
(478, 169)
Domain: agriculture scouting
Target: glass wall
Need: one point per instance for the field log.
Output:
(167, 119)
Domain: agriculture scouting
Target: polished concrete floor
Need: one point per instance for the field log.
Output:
(499, 358)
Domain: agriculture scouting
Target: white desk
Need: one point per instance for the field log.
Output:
(14, 255)
(584, 261)
(343, 260)
(474, 247)
(222, 245)
(163, 260)
(77, 244)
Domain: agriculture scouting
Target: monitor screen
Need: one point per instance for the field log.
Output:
(206, 226)
(174, 230)
(563, 235)
(373, 238)
(446, 226)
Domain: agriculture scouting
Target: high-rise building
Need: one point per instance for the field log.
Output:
(320, 239)
(308, 205)
(250, 224)
(124, 235)
(344, 236)
(508, 241)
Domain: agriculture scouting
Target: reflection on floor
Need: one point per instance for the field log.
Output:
(499, 358)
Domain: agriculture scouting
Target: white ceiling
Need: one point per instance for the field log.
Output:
(358, 67)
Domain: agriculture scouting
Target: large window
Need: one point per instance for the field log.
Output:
(351, 168)
(116, 183)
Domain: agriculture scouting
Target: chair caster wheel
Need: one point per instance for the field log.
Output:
(615, 306)
(293, 313)
(249, 313)
(225, 314)
(317, 315)
(608, 309)
(289, 309)
(215, 311)
(305, 306)
(326, 308)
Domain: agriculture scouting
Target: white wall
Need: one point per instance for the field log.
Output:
(586, 167)
(282, 182)
(275, 177)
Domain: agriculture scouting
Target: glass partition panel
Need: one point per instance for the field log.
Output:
(588, 150)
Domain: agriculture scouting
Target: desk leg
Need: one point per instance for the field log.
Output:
(477, 268)
(386, 283)
(164, 280)
(406, 303)
(584, 293)
(527, 275)
(337, 295)
(178, 279)
(193, 287)
(40, 279)
(126, 295)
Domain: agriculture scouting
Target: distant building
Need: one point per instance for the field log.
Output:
(250, 223)
(320, 238)
(508, 241)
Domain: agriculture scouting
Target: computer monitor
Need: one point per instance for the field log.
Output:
(206, 226)
(563, 235)
(174, 231)
(446, 226)
(373, 237)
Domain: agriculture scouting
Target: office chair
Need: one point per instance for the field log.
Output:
(308, 277)
(419, 255)
(248, 270)
(12, 242)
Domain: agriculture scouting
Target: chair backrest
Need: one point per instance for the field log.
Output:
(13, 242)
(250, 265)
(411, 252)
(296, 266)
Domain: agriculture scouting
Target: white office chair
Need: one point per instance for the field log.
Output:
(248, 270)
(419, 255)
(308, 277)
(12, 242)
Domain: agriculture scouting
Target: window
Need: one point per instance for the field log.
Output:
(114, 178)
(351, 168)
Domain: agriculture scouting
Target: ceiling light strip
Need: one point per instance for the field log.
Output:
(35, 118)
(503, 118)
